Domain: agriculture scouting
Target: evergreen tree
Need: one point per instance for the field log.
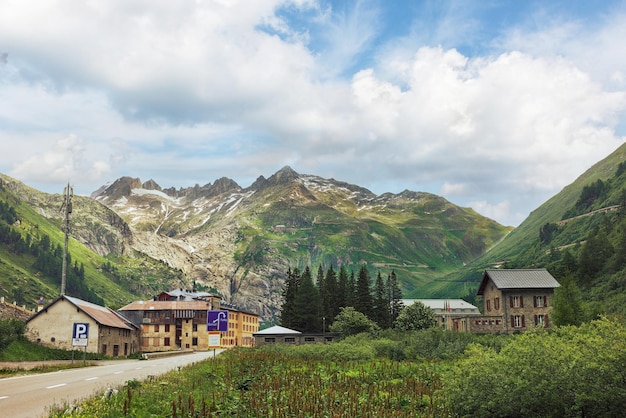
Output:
(331, 296)
(287, 315)
(363, 296)
(343, 288)
(568, 308)
(380, 308)
(307, 305)
(351, 291)
(394, 297)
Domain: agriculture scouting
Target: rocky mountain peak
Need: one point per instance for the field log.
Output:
(120, 188)
(224, 184)
(151, 185)
(285, 175)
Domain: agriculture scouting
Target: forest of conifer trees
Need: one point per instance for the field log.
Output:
(312, 305)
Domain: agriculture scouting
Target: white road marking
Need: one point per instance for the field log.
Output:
(92, 378)
(3, 397)
(118, 372)
(56, 386)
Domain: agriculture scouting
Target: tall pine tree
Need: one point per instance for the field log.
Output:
(307, 306)
(381, 303)
(292, 284)
(394, 297)
(363, 296)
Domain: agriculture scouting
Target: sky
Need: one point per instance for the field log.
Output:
(495, 105)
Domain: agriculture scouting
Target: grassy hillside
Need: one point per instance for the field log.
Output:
(23, 280)
(555, 235)
(418, 235)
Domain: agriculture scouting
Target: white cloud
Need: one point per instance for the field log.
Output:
(189, 92)
(62, 162)
(501, 210)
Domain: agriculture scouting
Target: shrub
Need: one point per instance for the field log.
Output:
(571, 372)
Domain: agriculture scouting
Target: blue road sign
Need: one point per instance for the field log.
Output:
(217, 321)
(80, 334)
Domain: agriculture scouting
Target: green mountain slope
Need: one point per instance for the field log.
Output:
(555, 236)
(31, 251)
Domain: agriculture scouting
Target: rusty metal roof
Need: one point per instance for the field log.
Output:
(102, 315)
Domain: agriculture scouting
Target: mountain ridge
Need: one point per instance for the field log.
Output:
(242, 241)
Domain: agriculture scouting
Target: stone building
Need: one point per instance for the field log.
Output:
(514, 300)
(109, 333)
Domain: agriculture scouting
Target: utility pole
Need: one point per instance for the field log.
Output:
(68, 193)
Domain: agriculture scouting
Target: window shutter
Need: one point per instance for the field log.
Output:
(536, 323)
(521, 301)
(545, 300)
(523, 322)
(535, 302)
(512, 321)
(511, 301)
(545, 321)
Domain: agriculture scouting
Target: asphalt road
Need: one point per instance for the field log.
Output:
(34, 395)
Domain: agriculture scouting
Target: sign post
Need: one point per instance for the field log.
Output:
(80, 337)
(217, 322)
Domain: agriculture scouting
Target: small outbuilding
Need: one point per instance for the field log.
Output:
(282, 335)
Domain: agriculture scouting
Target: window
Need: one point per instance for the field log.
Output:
(488, 304)
(156, 328)
(517, 302)
(541, 320)
(540, 302)
(309, 339)
(290, 340)
(194, 341)
(166, 341)
(195, 327)
(496, 304)
(167, 327)
(270, 340)
(517, 321)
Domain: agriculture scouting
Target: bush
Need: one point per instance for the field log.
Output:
(10, 330)
(571, 372)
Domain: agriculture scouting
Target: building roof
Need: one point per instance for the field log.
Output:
(440, 304)
(518, 279)
(184, 294)
(277, 330)
(166, 305)
(102, 315)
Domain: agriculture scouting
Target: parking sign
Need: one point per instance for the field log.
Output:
(80, 334)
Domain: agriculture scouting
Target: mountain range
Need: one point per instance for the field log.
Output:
(136, 238)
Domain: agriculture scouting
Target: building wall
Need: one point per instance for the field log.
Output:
(53, 328)
(513, 310)
(117, 342)
(295, 339)
(49, 330)
(164, 331)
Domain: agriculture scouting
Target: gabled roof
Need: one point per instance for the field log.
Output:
(518, 279)
(277, 330)
(102, 315)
